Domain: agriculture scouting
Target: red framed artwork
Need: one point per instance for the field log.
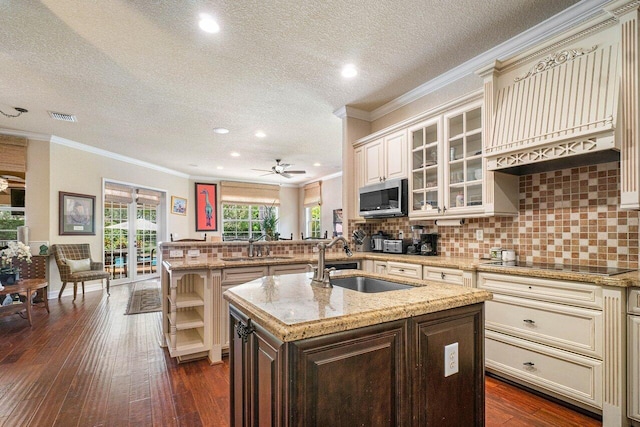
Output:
(206, 207)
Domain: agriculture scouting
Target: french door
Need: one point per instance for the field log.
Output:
(133, 219)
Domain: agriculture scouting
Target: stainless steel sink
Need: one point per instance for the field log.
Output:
(367, 284)
(264, 258)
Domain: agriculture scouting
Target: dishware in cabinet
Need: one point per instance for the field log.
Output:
(463, 149)
(425, 185)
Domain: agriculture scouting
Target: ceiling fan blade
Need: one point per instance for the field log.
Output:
(284, 165)
(268, 173)
(285, 174)
(262, 170)
(296, 172)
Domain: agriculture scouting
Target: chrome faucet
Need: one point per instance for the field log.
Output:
(320, 273)
(250, 254)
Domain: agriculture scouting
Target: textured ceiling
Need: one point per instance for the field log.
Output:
(145, 82)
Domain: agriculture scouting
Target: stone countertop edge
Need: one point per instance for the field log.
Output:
(625, 280)
(376, 308)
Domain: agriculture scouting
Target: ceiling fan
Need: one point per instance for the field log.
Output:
(280, 169)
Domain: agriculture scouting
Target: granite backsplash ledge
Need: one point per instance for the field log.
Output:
(565, 216)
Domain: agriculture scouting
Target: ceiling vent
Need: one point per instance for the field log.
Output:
(62, 116)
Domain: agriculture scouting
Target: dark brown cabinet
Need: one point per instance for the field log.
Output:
(391, 374)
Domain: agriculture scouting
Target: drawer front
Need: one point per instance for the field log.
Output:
(405, 270)
(562, 373)
(570, 328)
(444, 275)
(561, 291)
(634, 301)
(243, 274)
(276, 270)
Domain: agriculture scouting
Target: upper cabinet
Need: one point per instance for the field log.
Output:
(448, 172)
(385, 158)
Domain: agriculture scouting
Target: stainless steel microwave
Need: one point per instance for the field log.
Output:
(384, 200)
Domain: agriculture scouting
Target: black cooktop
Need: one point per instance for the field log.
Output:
(582, 269)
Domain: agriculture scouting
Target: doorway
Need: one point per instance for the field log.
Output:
(132, 220)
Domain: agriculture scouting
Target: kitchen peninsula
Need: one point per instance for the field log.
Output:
(303, 354)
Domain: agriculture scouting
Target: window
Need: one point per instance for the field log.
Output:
(11, 213)
(241, 222)
(313, 221)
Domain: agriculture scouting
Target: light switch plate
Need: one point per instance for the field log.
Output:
(450, 359)
(176, 253)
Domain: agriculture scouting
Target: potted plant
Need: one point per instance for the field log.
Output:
(270, 221)
(14, 250)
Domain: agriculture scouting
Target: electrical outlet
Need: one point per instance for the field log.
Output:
(479, 235)
(177, 253)
(450, 359)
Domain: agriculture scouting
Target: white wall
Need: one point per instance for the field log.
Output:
(331, 199)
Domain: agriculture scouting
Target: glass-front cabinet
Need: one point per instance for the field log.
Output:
(426, 179)
(463, 137)
(446, 164)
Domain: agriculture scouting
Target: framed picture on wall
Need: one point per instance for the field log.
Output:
(77, 214)
(206, 207)
(178, 205)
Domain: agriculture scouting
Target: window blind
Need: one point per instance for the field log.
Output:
(13, 154)
(118, 193)
(148, 197)
(313, 194)
(249, 193)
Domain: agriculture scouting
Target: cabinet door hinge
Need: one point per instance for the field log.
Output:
(244, 331)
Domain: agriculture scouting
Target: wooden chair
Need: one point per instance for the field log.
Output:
(75, 252)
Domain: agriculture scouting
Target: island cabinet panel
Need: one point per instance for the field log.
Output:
(456, 399)
(389, 374)
(355, 375)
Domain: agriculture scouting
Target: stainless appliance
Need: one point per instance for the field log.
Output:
(377, 241)
(384, 200)
(395, 246)
(581, 269)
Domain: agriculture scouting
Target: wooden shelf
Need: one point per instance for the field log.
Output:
(188, 319)
(190, 299)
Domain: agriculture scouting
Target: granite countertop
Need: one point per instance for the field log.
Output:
(625, 280)
(290, 308)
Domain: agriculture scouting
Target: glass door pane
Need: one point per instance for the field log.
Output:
(116, 240)
(146, 230)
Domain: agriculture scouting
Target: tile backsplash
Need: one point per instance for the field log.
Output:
(569, 216)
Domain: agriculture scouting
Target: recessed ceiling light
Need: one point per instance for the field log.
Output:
(317, 164)
(260, 134)
(220, 167)
(235, 154)
(208, 24)
(349, 71)
(221, 131)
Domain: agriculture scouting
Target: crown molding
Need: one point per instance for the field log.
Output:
(574, 15)
(29, 135)
(323, 178)
(104, 153)
(355, 113)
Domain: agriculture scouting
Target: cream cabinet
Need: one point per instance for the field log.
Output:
(562, 338)
(403, 269)
(380, 267)
(187, 312)
(385, 158)
(358, 176)
(447, 169)
(633, 346)
(452, 276)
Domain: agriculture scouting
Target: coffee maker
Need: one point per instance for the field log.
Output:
(429, 244)
(416, 232)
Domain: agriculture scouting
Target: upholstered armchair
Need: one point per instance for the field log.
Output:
(75, 265)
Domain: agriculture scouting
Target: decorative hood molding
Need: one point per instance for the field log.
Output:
(562, 108)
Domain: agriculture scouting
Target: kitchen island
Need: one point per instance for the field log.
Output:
(307, 355)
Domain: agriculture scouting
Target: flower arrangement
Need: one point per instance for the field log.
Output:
(17, 250)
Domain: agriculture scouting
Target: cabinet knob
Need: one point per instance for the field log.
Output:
(244, 331)
(529, 364)
(442, 276)
(401, 269)
(529, 321)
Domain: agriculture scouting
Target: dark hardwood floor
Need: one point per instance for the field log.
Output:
(87, 364)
